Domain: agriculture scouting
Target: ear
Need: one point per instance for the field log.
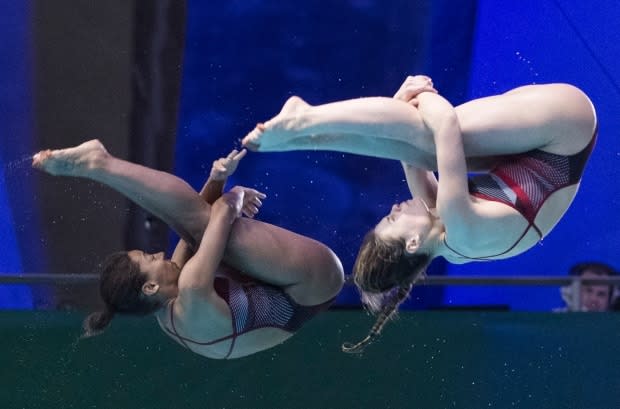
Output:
(150, 288)
(412, 244)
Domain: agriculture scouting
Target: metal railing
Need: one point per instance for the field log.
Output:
(36, 278)
(575, 282)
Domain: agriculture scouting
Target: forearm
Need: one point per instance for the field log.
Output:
(439, 115)
(212, 190)
(451, 159)
(199, 270)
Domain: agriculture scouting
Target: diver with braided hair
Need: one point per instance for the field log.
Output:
(387, 311)
(529, 145)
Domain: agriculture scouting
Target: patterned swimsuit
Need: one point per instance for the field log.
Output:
(254, 305)
(525, 181)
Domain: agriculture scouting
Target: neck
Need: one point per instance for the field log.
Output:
(435, 237)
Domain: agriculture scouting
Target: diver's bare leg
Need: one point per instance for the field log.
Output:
(164, 195)
(308, 270)
(377, 126)
(557, 118)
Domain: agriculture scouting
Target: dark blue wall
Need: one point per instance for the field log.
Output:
(533, 41)
(244, 59)
(15, 132)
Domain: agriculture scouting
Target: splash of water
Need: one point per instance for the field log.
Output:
(18, 164)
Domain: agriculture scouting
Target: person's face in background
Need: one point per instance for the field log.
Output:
(594, 297)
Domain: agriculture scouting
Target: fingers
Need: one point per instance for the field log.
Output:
(236, 155)
(411, 88)
(252, 201)
(251, 207)
(419, 79)
(219, 166)
(240, 155)
(255, 193)
(226, 166)
(410, 92)
(249, 210)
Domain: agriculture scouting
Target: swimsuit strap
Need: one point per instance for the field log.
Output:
(184, 340)
(488, 258)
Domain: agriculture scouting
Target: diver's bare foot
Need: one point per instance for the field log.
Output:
(275, 133)
(75, 161)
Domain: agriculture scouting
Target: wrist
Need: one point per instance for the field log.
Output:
(216, 178)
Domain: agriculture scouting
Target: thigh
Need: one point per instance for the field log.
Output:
(307, 269)
(557, 118)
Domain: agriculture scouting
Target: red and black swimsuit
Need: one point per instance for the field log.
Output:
(525, 181)
(254, 305)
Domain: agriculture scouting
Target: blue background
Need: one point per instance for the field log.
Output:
(244, 58)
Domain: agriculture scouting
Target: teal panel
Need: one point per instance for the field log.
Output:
(424, 360)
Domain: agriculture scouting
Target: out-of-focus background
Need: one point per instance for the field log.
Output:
(174, 85)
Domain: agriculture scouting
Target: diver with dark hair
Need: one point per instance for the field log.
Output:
(234, 286)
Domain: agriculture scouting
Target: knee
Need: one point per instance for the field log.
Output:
(331, 273)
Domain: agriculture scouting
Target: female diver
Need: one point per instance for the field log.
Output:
(234, 286)
(531, 145)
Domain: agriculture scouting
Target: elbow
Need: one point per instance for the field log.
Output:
(447, 126)
(449, 119)
(228, 206)
(330, 273)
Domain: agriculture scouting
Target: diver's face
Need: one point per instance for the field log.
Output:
(406, 219)
(156, 267)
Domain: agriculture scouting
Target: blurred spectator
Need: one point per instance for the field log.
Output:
(615, 300)
(593, 297)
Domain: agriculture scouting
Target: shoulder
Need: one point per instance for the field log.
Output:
(184, 321)
(487, 222)
(202, 303)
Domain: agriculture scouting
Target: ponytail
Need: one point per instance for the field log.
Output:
(96, 322)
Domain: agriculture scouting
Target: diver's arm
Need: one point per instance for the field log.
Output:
(422, 183)
(182, 253)
(196, 278)
(453, 201)
(220, 171)
(211, 191)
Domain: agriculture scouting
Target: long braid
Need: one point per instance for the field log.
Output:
(386, 313)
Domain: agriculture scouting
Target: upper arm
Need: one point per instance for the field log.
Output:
(422, 183)
(182, 253)
(453, 200)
